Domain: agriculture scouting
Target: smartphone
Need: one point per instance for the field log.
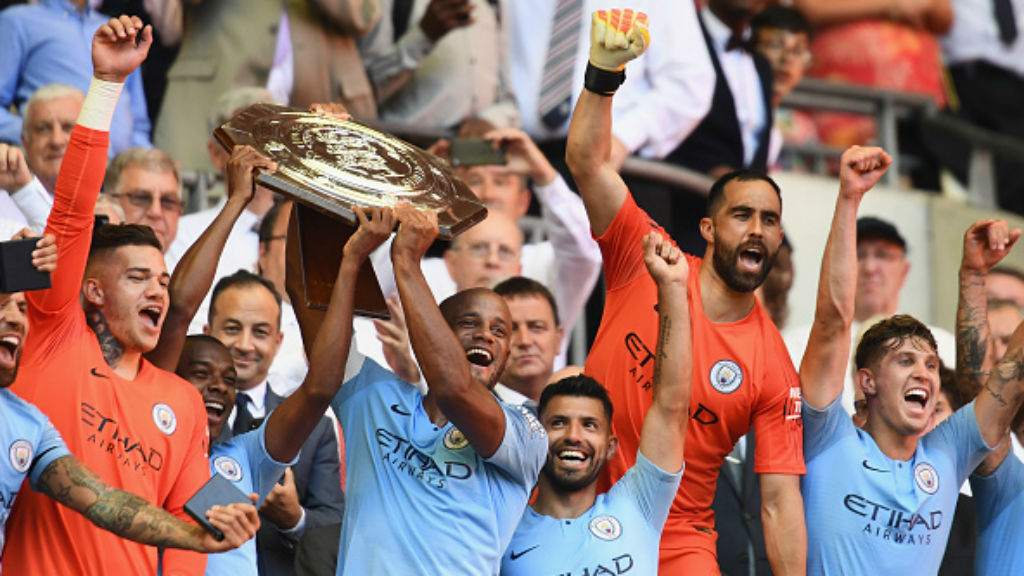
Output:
(476, 152)
(17, 273)
(219, 491)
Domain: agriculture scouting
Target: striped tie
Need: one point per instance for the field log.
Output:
(556, 84)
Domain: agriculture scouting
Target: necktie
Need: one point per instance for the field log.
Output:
(556, 83)
(1006, 21)
(243, 417)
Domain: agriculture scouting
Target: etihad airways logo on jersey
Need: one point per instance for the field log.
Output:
(618, 565)
(890, 524)
(404, 457)
(107, 435)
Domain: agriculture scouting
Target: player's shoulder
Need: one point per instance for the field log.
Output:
(18, 411)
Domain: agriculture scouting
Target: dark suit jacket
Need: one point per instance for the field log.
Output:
(319, 486)
(737, 510)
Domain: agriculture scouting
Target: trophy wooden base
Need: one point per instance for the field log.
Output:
(321, 243)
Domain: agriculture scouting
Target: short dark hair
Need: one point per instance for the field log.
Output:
(266, 230)
(522, 287)
(717, 193)
(889, 334)
(950, 386)
(781, 18)
(109, 237)
(871, 228)
(579, 385)
(1008, 271)
(243, 279)
(193, 340)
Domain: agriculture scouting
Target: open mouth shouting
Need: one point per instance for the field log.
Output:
(151, 316)
(479, 357)
(917, 398)
(10, 344)
(751, 257)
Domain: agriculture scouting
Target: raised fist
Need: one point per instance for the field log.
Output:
(119, 47)
(616, 37)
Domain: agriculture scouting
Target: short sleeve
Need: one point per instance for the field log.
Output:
(266, 471)
(524, 447)
(960, 437)
(823, 428)
(652, 488)
(778, 424)
(620, 244)
(49, 449)
(994, 493)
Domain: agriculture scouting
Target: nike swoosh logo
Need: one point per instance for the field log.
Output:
(872, 468)
(98, 375)
(514, 556)
(398, 410)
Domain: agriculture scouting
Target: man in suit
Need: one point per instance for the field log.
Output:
(245, 314)
(302, 50)
(737, 505)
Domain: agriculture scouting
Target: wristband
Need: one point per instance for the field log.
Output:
(601, 81)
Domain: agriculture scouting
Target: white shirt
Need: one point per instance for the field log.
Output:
(463, 74)
(29, 205)
(667, 91)
(796, 342)
(744, 83)
(975, 36)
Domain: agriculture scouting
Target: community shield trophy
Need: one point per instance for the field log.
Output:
(329, 166)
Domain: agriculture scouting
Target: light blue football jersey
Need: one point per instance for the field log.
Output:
(32, 444)
(619, 534)
(244, 461)
(869, 514)
(420, 500)
(1000, 501)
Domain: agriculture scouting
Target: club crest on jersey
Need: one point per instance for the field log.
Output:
(606, 527)
(228, 467)
(926, 477)
(726, 376)
(164, 418)
(454, 439)
(21, 455)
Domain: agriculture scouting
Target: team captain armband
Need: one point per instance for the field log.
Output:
(616, 37)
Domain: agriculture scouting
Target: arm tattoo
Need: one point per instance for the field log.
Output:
(1005, 383)
(972, 333)
(72, 484)
(111, 346)
(664, 335)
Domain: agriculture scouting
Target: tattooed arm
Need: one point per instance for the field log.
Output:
(69, 482)
(1002, 393)
(664, 428)
(986, 242)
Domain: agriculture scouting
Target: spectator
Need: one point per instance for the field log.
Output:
(49, 42)
(537, 336)
(84, 368)
(441, 494)
(245, 315)
(740, 347)
(882, 268)
(435, 63)
(303, 52)
(569, 528)
(984, 51)
(1006, 283)
(147, 184)
(783, 35)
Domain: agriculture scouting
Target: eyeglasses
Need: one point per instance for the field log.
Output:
(144, 200)
(780, 50)
(482, 250)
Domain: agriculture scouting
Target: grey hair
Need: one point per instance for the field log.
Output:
(149, 158)
(235, 99)
(43, 94)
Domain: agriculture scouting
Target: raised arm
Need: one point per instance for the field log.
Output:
(465, 402)
(292, 422)
(194, 274)
(69, 482)
(1002, 393)
(115, 54)
(664, 429)
(823, 369)
(986, 243)
(616, 37)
